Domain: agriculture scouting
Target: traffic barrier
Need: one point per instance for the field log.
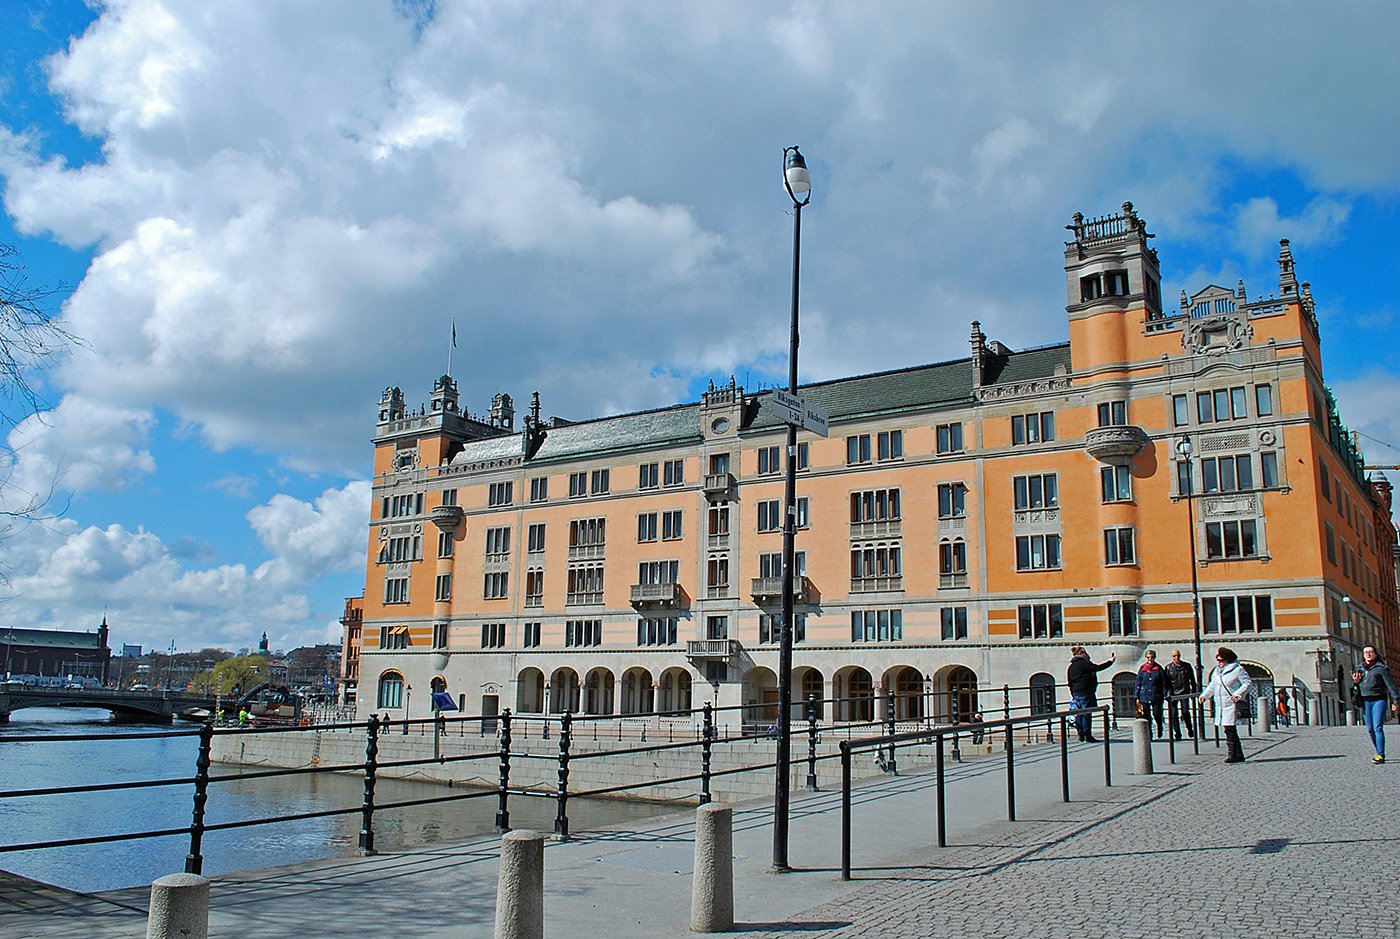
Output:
(520, 889)
(179, 907)
(712, 883)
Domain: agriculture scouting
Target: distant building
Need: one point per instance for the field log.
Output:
(54, 654)
(965, 523)
(350, 642)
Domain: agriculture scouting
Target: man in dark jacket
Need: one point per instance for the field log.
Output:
(1083, 677)
(1181, 680)
(1150, 688)
(1377, 687)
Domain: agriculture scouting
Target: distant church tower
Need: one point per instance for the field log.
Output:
(262, 646)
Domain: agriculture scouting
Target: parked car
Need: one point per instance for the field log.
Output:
(140, 687)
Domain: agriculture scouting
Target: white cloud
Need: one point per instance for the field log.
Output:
(1258, 225)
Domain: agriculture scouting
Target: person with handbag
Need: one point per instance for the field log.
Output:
(1229, 688)
(1375, 686)
(1083, 678)
(1150, 687)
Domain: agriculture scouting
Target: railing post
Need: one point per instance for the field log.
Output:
(1194, 709)
(942, 806)
(812, 743)
(1006, 705)
(845, 809)
(503, 804)
(1173, 722)
(892, 764)
(367, 807)
(1107, 758)
(1064, 759)
(561, 818)
(706, 738)
(953, 710)
(1010, 745)
(194, 861)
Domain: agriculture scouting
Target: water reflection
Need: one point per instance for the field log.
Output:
(130, 863)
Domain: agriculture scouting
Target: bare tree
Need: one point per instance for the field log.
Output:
(30, 337)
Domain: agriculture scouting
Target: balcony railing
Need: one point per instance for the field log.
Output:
(712, 648)
(585, 552)
(876, 584)
(656, 594)
(1115, 443)
(771, 588)
(863, 531)
(950, 581)
(583, 599)
(718, 484)
(446, 517)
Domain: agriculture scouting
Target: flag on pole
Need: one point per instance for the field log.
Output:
(454, 334)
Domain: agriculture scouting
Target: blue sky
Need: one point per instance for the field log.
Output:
(268, 212)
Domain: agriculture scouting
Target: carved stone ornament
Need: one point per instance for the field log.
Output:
(1213, 335)
(1266, 437)
(1025, 389)
(1115, 443)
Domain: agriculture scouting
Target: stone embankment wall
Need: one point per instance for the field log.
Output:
(534, 761)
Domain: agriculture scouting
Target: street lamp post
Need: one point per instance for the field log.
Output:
(798, 183)
(1184, 448)
(170, 665)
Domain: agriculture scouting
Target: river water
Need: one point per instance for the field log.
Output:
(91, 868)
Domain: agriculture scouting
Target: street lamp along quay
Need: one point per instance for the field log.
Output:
(798, 183)
(1184, 449)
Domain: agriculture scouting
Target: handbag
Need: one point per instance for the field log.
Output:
(1141, 711)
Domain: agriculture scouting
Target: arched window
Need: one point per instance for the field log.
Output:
(812, 688)
(962, 692)
(909, 695)
(860, 696)
(675, 690)
(390, 691)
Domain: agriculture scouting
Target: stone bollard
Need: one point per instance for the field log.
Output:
(1351, 717)
(179, 908)
(712, 884)
(1142, 747)
(520, 890)
(1266, 717)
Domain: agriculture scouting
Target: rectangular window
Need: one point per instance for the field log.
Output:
(497, 543)
(585, 585)
(646, 527)
(875, 505)
(1037, 552)
(802, 454)
(1113, 414)
(717, 574)
(952, 500)
(449, 497)
(1326, 483)
(952, 559)
(439, 635)
(1222, 404)
(535, 538)
(1036, 492)
(1122, 618)
(770, 564)
(954, 622)
(857, 449)
(770, 516)
(877, 625)
(500, 494)
(444, 544)
(1232, 539)
(1119, 546)
(396, 590)
(401, 506)
(1237, 614)
(530, 636)
(493, 635)
(716, 627)
(770, 461)
(673, 473)
(649, 476)
(1239, 403)
(393, 637)
(539, 489)
(1040, 621)
(600, 482)
(889, 445)
(1264, 400)
(770, 627)
(401, 548)
(718, 518)
(534, 587)
(802, 517)
(588, 533)
(658, 631)
(658, 572)
(949, 437)
(1226, 473)
(1116, 483)
(578, 485)
(495, 585)
(1268, 470)
(875, 567)
(1331, 542)
(671, 525)
(719, 464)
(444, 587)
(1181, 414)
(1032, 428)
(583, 632)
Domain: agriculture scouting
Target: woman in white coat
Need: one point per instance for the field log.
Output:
(1229, 687)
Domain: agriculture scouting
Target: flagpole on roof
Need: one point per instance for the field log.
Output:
(451, 347)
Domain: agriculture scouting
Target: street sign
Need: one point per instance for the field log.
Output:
(794, 410)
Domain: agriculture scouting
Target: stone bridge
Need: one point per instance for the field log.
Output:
(138, 706)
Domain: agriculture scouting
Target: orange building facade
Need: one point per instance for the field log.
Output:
(962, 526)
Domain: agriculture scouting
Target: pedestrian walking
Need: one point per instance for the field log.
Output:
(1083, 677)
(1181, 680)
(1150, 689)
(1373, 681)
(1281, 708)
(1229, 687)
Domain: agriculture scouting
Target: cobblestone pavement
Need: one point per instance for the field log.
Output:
(1301, 840)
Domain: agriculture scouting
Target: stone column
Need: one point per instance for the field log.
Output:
(712, 883)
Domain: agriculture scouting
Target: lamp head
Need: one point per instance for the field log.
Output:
(796, 179)
(1183, 446)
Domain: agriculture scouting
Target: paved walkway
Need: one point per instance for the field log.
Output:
(1303, 840)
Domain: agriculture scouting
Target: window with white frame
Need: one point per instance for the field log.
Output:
(657, 631)
(493, 635)
(1040, 621)
(1122, 618)
(583, 632)
(401, 548)
(770, 627)
(770, 516)
(534, 587)
(952, 500)
(396, 590)
(770, 564)
(881, 625)
(953, 620)
(402, 505)
(671, 525)
(500, 493)
(649, 476)
(578, 485)
(1032, 428)
(875, 567)
(948, 438)
(673, 473)
(443, 590)
(1236, 538)
(1113, 414)
(770, 460)
(1038, 491)
(439, 635)
(875, 505)
(1116, 483)
(658, 572)
(444, 544)
(599, 484)
(1119, 546)
(539, 489)
(497, 543)
(889, 445)
(534, 537)
(1037, 552)
(857, 449)
(718, 519)
(496, 585)
(530, 636)
(1242, 614)
(1226, 473)
(1222, 404)
(646, 527)
(585, 585)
